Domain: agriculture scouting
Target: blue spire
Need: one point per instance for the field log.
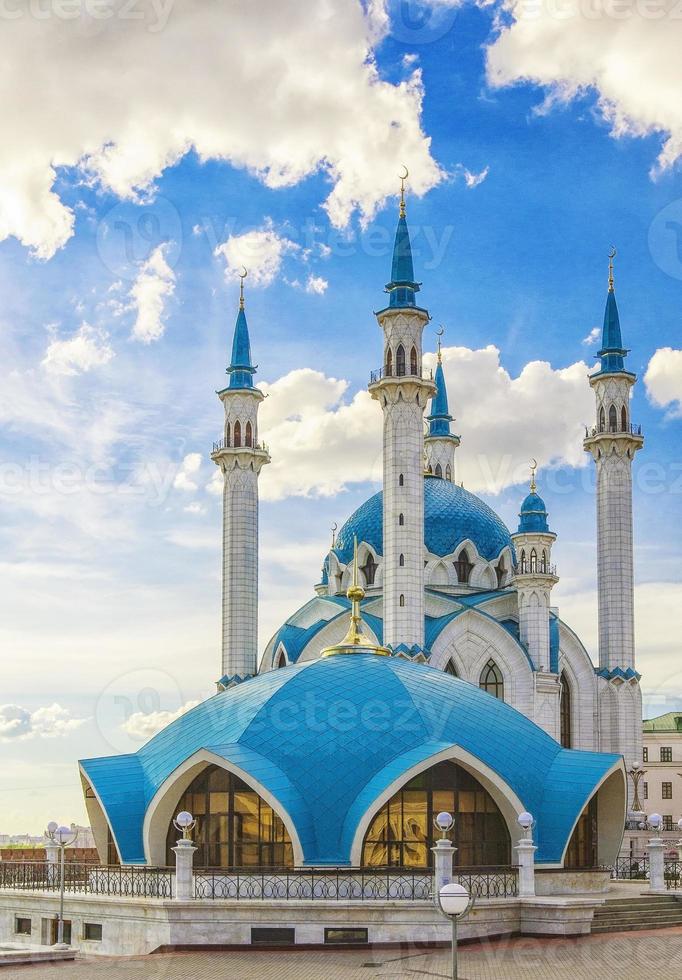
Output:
(612, 352)
(402, 287)
(533, 516)
(439, 420)
(241, 369)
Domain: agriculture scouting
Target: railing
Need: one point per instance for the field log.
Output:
(224, 444)
(630, 869)
(385, 373)
(336, 885)
(129, 881)
(597, 430)
(540, 568)
(672, 874)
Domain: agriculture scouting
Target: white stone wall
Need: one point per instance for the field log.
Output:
(440, 451)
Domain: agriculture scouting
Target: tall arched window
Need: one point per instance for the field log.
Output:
(565, 711)
(413, 361)
(401, 480)
(235, 827)
(281, 660)
(400, 361)
(624, 419)
(401, 561)
(491, 680)
(523, 562)
(613, 419)
(401, 520)
(249, 435)
(533, 561)
(448, 473)
(500, 572)
(602, 420)
(389, 363)
(463, 567)
(228, 434)
(543, 561)
(450, 669)
(369, 570)
(439, 471)
(402, 834)
(237, 434)
(402, 600)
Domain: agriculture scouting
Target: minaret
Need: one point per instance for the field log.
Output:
(403, 393)
(613, 443)
(534, 576)
(240, 458)
(440, 443)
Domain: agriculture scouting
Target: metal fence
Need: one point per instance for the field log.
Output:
(630, 868)
(127, 881)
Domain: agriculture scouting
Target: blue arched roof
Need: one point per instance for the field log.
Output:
(326, 738)
(451, 515)
(533, 516)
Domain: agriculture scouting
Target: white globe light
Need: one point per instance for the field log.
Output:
(526, 820)
(52, 827)
(655, 821)
(444, 820)
(679, 824)
(184, 819)
(454, 899)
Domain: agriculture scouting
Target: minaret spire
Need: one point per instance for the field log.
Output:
(440, 442)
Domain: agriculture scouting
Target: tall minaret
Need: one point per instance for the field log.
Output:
(403, 394)
(440, 443)
(613, 443)
(240, 458)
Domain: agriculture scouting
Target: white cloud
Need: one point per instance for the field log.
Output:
(592, 337)
(230, 80)
(261, 251)
(663, 380)
(190, 466)
(142, 726)
(321, 442)
(86, 349)
(472, 179)
(48, 722)
(155, 283)
(316, 284)
(627, 53)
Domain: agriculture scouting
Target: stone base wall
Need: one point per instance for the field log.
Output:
(572, 882)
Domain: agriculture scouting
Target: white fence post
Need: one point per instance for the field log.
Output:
(656, 849)
(184, 873)
(443, 856)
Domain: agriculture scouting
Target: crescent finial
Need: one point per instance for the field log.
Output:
(242, 276)
(533, 468)
(439, 334)
(403, 177)
(613, 251)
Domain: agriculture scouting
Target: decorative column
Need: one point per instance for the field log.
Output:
(443, 857)
(240, 457)
(403, 394)
(656, 852)
(525, 850)
(184, 852)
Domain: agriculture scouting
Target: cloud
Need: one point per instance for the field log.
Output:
(663, 380)
(190, 466)
(48, 722)
(260, 251)
(229, 80)
(155, 283)
(592, 338)
(629, 59)
(316, 284)
(142, 726)
(472, 179)
(314, 430)
(86, 349)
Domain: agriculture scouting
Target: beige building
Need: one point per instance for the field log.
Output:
(660, 785)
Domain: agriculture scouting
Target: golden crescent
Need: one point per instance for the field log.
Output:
(534, 464)
(439, 333)
(244, 273)
(406, 174)
(613, 252)
(335, 526)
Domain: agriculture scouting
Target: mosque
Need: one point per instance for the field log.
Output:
(428, 672)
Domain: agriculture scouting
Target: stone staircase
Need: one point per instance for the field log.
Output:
(638, 912)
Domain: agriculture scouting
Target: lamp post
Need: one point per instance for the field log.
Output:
(656, 850)
(636, 774)
(63, 837)
(526, 851)
(184, 857)
(455, 902)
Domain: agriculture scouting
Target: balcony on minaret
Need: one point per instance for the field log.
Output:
(389, 371)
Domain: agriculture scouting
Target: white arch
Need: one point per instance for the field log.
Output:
(160, 811)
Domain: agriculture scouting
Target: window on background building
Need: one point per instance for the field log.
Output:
(666, 753)
(369, 570)
(565, 711)
(666, 791)
(402, 834)
(22, 925)
(400, 361)
(645, 754)
(491, 680)
(92, 931)
(463, 567)
(667, 822)
(645, 791)
(235, 827)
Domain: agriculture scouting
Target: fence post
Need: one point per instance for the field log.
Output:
(656, 849)
(52, 860)
(443, 855)
(184, 874)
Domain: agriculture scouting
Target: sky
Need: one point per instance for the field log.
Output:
(154, 149)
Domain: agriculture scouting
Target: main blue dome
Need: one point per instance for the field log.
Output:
(451, 515)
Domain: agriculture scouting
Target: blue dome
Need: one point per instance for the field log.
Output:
(451, 515)
(533, 514)
(312, 737)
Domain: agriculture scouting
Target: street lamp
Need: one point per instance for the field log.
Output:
(455, 902)
(185, 823)
(444, 822)
(63, 837)
(637, 773)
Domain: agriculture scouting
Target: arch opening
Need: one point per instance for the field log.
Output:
(491, 680)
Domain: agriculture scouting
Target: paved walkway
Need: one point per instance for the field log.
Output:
(626, 956)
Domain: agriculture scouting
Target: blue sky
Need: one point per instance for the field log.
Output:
(114, 337)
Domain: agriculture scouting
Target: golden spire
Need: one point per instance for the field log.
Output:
(355, 641)
(403, 178)
(242, 276)
(533, 469)
(612, 255)
(335, 528)
(439, 334)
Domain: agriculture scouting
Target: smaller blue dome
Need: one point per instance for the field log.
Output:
(533, 514)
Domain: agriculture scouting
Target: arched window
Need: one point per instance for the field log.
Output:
(448, 473)
(369, 570)
(624, 419)
(413, 361)
(523, 562)
(402, 834)
(249, 435)
(565, 711)
(582, 847)
(237, 435)
(463, 567)
(227, 434)
(491, 680)
(401, 520)
(389, 363)
(401, 480)
(439, 471)
(450, 669)
(281, 660)
(613, 419)
(402, 600)
(500, 571)
(235, 827)
(400, 361)
(543, 561)
(602, 420)
(533, 561)
(401, 561)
